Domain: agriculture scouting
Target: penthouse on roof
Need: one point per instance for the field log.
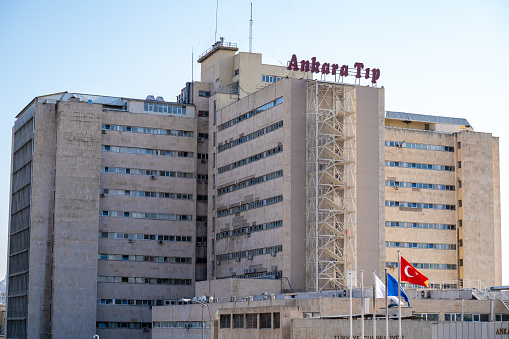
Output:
(328, 68)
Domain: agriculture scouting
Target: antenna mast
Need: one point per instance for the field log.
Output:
(215, 34)
(251, 31)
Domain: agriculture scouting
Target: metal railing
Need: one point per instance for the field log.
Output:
(220, 43)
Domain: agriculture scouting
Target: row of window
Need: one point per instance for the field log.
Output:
(135, 150)
(129, 325)
(136, 171)
(249, 182)
(420, 245)
(250, 253)
(249, 229)
(257, 275)
(146, 130)
(426, 266)
(419, 166)
(468, 317)
(250, 320)
(141, 236)
(403, 144)
(250, 136)
(250, 114)
(420, 185)
(164, 108)
(419, 225)
(131, 302)
(249, 206)
(181, 324)
(270, 78)
(181, 196)
(142, 280)
(420, 205)
(250, 159)
(145, 258)
(143, 215)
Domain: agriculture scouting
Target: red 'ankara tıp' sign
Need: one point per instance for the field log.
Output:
(333, 69)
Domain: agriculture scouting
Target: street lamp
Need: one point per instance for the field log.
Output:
(203, 305)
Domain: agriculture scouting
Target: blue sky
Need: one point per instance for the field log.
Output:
(444, 58)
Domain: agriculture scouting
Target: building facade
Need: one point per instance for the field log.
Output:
(257, 171)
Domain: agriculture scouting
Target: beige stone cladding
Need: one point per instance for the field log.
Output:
(420, 195)
(479, 196)
(148, 203)
(279, 187)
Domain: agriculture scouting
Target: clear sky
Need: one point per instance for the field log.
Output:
(446, 58)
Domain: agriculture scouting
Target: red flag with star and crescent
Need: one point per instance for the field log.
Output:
(412, 274)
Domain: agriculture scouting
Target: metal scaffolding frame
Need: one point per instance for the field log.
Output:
(330, 185)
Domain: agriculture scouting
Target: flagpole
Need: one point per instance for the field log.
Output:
(362, 304)
(399, 294)
(374, 304)
(386, 307)
(351, 317)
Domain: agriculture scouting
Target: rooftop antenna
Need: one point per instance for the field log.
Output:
(215, 34)
(251, 31)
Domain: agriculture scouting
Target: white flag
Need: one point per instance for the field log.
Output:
(380, 290)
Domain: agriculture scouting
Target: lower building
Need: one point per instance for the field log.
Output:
(325, 315)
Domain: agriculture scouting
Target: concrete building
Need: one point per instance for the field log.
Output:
(325, 315)
(257, 171)
(442, 198)
(106, 195)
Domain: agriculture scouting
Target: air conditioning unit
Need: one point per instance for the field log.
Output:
(218, 261)
(203, 161)
(250, 257)
(103, 131)
(161, 242)
(206, 181)
(145, 329)
(396, 187)
(200, 139)
(168, 302)
(153, 177)
(130, 240)
(237, 259)
(273, 254)
(102, 195)
(274, 268)
(233, 298)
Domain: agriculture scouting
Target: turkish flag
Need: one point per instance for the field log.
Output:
(412, 274)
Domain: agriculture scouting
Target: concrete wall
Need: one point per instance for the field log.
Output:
(77, 173)
(369, 181)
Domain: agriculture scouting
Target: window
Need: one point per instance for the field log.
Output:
(225, 321)
(276, 320)
(252, 320)
(426, 127)
(452, 317)
(238, 321)
(459, 164)
(460, 223)
(429, 316)
(460, 262)
(215, 114)
(460, 242)
(203, 113)
(265, 320)
(459, 183)
(459, 144)
(236, 72)
(204, 94)
(460, 203)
